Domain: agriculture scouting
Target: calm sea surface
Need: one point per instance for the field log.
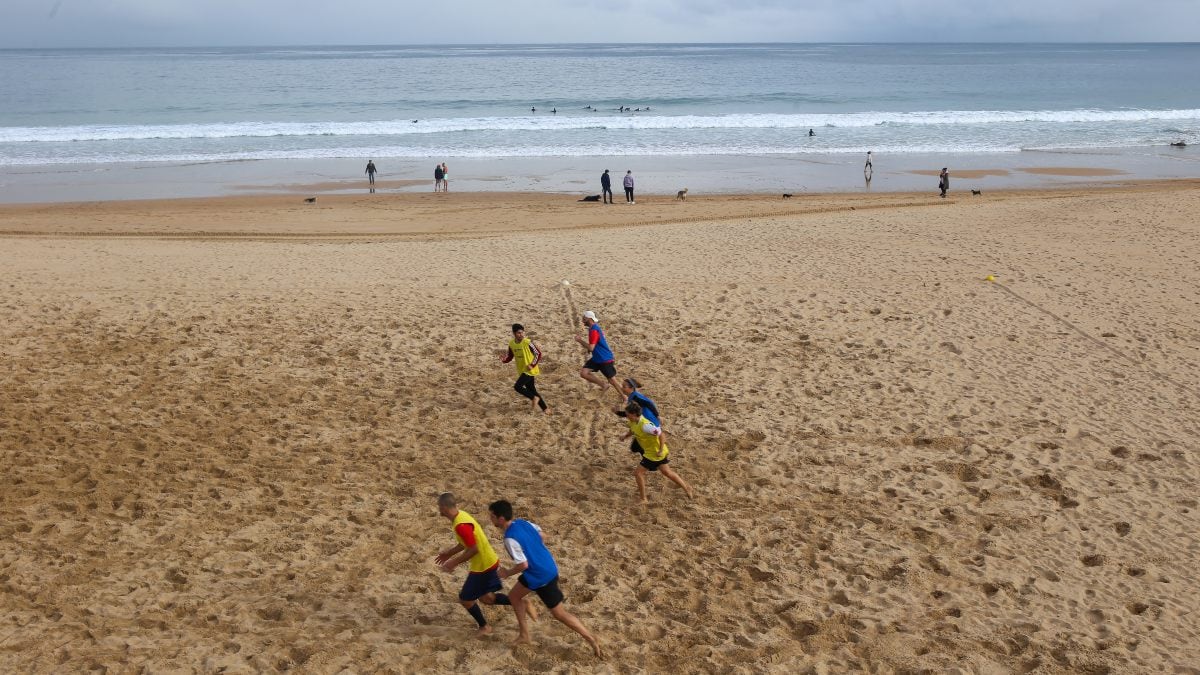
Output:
(221, 104)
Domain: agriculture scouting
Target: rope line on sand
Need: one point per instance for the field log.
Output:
(1090, 338)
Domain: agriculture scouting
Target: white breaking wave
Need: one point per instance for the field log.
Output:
(491, 152)
(565, 122)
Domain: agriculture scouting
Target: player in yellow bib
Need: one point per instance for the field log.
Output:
(526, 355)
(653, 442)
(483, 581)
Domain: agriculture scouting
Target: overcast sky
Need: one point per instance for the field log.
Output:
(155, 23)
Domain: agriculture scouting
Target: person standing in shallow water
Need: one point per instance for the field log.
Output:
(437, 177)
(371, 171)
(944, 181)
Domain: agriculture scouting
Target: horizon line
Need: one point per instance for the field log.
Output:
(590, 44)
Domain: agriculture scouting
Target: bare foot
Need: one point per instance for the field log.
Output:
(546, 411)
(483, 632)
(530, 611)
(522, 640)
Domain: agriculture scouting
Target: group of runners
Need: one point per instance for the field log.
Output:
(524, 542)
(638, 410)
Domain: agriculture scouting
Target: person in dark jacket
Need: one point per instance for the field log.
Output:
(606, 186)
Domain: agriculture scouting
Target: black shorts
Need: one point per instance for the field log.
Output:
(550, 594)
(651, 465)
(609, 369)
(480, 584)
(635, 446)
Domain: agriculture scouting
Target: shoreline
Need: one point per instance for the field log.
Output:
(723, 174)
(470, 214)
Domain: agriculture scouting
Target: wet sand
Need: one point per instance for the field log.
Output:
(223, 425)
(724, 175)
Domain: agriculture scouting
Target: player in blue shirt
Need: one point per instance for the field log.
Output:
(600, 357)
(539, 573)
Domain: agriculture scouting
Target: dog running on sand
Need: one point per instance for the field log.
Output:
(310, 200)
(681, 195)
(976, 192)
(787, 195)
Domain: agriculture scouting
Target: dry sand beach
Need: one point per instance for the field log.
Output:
(224, 423)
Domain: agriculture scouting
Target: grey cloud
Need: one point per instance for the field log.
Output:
(46, 23)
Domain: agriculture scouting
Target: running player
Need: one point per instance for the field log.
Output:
(482, 581)
(629, 387)
(600, 357)
(652, 440)
(527, 356)
(539, 573)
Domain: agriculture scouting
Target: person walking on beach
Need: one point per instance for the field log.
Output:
(371, 171)
(438, 175)
(526, 354)
(483, 582)
(629, 387)
(629, 187)
(600, 357)
(538, 572)
(944, 181)
(652, 440)
(606, 187)
(445, 178)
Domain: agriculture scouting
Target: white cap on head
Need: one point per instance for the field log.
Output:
(590, 315)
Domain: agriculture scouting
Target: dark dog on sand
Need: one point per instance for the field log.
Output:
(976, 192)
(787, 195)
(310, 200)
(591, 198)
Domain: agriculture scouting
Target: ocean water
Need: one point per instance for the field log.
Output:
(226, 104)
